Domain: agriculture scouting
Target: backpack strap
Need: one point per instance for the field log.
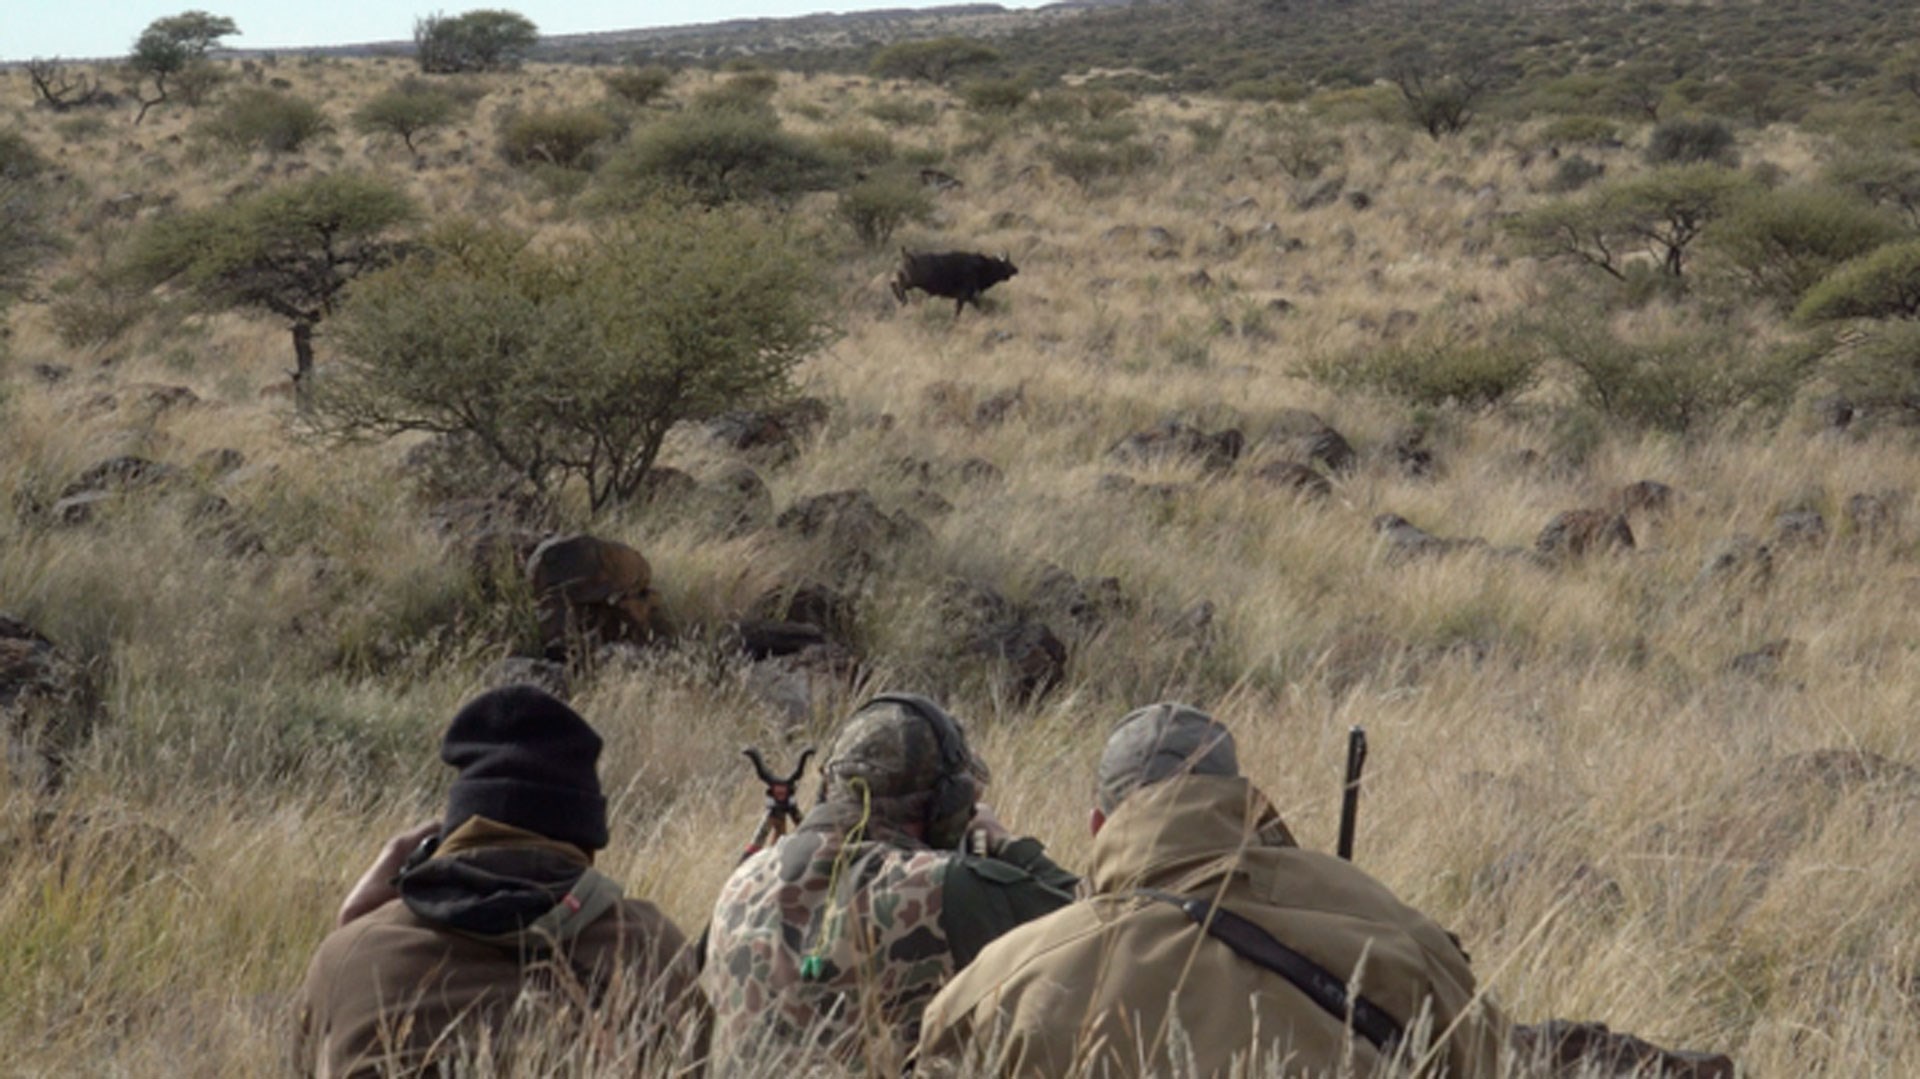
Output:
(1259, 947)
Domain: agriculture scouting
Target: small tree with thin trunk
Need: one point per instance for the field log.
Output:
(406, 111)
(575, 361)
(59, 87)
(1441, 90)
(287, 250)
(168, 48)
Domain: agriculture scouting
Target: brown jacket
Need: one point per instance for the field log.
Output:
(1086, 990)
(396, 992)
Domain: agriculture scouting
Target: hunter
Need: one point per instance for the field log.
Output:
(492, 925)
(826, 946)
(1209, 943)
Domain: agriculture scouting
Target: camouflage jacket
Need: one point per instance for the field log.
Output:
(843, 972)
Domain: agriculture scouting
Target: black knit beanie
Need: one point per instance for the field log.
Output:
(527, 760)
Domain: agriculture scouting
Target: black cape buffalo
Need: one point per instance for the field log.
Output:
(961, 276)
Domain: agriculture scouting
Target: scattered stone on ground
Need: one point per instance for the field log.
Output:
(835, 613)
(1412, 455)
(1304, 436)
(1295, 477)
(991, 627)
(856, 535)
(47, 710)
(1575, 534)
(1171, 440)
(1406, 541)
(590, 591)
(1799, 528)
(776, 433)
(216, 464)
(1738, 557)
(1763, 662)
(1086, 605)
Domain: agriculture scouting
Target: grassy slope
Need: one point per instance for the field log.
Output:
(1595, 804)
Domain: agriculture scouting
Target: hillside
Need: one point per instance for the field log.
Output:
(1283, 415)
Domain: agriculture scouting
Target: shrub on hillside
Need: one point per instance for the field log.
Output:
(1782, 243)
(859, 147)
(748, 92)
(18, 159)
(902, 111)
(935, 60)
(1692, 140)
(406, 111)
(1882, 370)
(717, 157)
(1574, 173)
(1579, 131)
(878, 205)
(1884, 284)
(1088, 163)
(566, 138)
(1677, 383)
(999, 96)
(1474, 375)
(1885, 178)
(25, 236)
(269, 120)
(1302, 146)
(574, 361)
(638, 85)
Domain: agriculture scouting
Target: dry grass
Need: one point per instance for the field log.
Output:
(1565, 771)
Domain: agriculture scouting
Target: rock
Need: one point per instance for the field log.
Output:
(1578, 533)
(47, 709)
(1411, 454)
(663, 486)
(833, 612)
(764, 639)
(1359, 200)
(997, 407)
(978, 470)
(1738, 557)
(1294, 477)
(51, 373)
(1085, 605)
(736, 502)
(1406, 542)
(1590, 1049)
(529, 671)
(1869, 515)
(1324, 193)
(991, 627)
(219, 463)
(1199, 279)
(161, 398)
(1650, 497)
(1799, 528)
(852, 527)
(1162, 242)
(1304, 436)
(1833, 414)
(1762, 662)
(123, 473)
(591, 591)
(81, 508)
(927, 502)
(1171, 439)
(777, 433)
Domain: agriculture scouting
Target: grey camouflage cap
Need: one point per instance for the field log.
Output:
(895, 751)
(1159, 742)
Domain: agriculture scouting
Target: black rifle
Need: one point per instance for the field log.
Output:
(1350, 795)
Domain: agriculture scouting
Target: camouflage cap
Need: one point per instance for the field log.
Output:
(1159, 742)
(895, 751)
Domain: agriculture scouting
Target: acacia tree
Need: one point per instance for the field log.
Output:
(58, 87)
(1440, 90)
(935, 60)
(1663, 213)
(575, 361)
(488, 39)
(406, 111)
(288, 250)
(174, 48)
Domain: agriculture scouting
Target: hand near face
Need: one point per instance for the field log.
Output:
(375, 887)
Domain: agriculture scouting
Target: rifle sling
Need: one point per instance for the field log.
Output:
(1257, 946)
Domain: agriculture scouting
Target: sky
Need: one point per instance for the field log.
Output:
(104, 28)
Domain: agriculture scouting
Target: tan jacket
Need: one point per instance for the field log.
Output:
(1117, 980)
(394, 993)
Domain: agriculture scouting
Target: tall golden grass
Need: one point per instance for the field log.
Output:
(1566, 772)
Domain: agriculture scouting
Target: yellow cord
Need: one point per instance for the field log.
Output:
(814, 962)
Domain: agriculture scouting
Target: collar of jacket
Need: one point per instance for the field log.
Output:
(480, 833)
(1184, 834)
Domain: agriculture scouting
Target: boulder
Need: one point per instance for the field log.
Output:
(1173, 440)
(219, 463)
(1578, 533)
(1086, 605)
(1411, 454)
(1739, 557)
(592, 591)
(997, 407)
(833, 612)
(81, 508)
(1294, 477)
(1406, 541)
(850, 525)
(46, 708)
(123, 473)
(991, 627)
(1304, 436)
(776, 433)
(1799, 528)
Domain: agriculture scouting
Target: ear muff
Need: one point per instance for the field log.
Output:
(953, 791)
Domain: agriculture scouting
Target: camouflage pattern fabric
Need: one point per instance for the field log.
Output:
(881, 949)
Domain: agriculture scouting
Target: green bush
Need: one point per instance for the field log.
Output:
(1679, 383)
(1882, 177)
(1579, 131)
(1882, 370)
(749, 92)
(18, 159)
(859, 147)
(935, 60)
(903, 112)
(638, 85)
(1088, 163)
(1277, 89)
(1472, 375)
(1573, 173)
(574, 361)
(1692, 140)
(254, 119)
(1884, 284)
(406, 111)
(717, 157)
(878, 205)
(1301, 145)
(999, 96)
(488, 39)
(566, 138)
(96, 308)
(1782, 243)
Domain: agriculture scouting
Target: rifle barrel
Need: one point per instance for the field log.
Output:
(1350, 793)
